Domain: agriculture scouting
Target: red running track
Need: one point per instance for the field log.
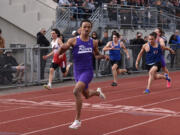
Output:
(126, 111)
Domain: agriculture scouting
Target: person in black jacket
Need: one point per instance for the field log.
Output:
(43, 42)
(136, 47)
(10, 65)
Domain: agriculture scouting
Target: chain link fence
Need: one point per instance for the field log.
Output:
(29, 66)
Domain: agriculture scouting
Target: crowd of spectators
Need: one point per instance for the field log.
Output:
(96, 3)
(84, 8)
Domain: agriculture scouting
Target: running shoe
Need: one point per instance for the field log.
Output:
(101, 94)
(168, 80)
(128, 71)
(147, 91)
(75, 125)
(48, 87)
(114, 84)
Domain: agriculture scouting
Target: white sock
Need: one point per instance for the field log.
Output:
(49, 84)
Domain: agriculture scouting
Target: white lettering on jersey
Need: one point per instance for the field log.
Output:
(84, 49)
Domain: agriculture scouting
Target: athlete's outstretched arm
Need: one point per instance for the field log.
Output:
(108, 46)
(140, 55)
(66, 46)
(48, 55)
(169, 49)
(97, 54)
(164, 47)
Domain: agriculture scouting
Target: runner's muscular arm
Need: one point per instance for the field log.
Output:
(125, 49)
(67, 45)
(140, 55)
(48, 55)
(108, 46)
(161, 41)
(97, 54)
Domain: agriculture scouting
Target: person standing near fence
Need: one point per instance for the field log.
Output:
(114, 47)
(153, 51)
(2, 42)
(177, 48)
(84, 47)
(58, 60)
(43, 42)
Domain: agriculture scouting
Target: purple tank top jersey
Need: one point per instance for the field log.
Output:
(82, 55)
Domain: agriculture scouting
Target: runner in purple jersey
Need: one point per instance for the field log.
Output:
(83, 50)
(161, 41)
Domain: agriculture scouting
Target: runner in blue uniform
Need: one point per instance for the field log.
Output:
(115, 56)
(84, 48)
(153, 60)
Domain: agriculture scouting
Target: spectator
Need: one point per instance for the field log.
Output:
(43, 42)
(89, 7)
(74, 33)
(178, 48)
(105, 38)
(80, 9)
(57, 1)
(112, 10)
(136, 47)
(14, 66)
(2, 43)
(95, 37)
(145, 39)
(173, 44)
(64, 3)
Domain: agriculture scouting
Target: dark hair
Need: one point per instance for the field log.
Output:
(0, 31)
(154, 34)
(116, 34)
(57, 32)
(161, 31)
(85, 21)
(173, 37)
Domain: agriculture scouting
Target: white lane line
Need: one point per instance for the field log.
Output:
(65, 124)
(106, 102)
(120, 99)
(136, 125)
(6, 122)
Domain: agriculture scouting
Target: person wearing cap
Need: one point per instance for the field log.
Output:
(2, 43)
(14, 66)
(74, 33)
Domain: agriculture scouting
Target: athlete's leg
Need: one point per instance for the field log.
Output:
(165, 70)
(152, 73)
(79, 87)
(67, 70)
(77, 93)
(89, 93)
(119, 71)
(114, 72)
(51, 73)
(159, 76)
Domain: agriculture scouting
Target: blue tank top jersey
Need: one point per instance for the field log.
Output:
(115, 54)
(83, 54)
(154, 55)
